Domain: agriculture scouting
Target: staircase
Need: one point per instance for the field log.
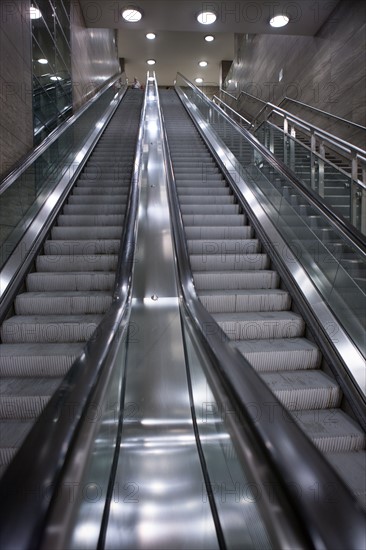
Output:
(235, 281)
(70, 287)
(337, 190)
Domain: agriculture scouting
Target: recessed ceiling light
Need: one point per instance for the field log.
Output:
(279, 21)
(151, 61)
(209, 38)
(55, 78)
(199, 80)
(131, 14)
(42, 61)
(206, 17)
(151, 36)
(203, 63)
(35, 13)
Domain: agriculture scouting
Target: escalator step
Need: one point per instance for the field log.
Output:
(280, 354)
(62, 303)
(49, 282)
(301, 390)
(25, 398)
(261, 325)
(235, 301)
(236, 280)
(331, 430)
(49, 329)
(35, 360)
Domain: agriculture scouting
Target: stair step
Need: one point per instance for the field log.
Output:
(204, 209)
(331, 430)
(91, 220)
(261, 325)
(72, 281)
(96, 209)
(236, 280)
(207, 191)
(219, 232)
(35, 360)
(25, 398)
(280, 354)
(100, 232)
(90, 262)
(62, 303)
(12, 435)
(215, 219)
(235, 301)
(49, 329)
(82, 247)
(351, 467)
(229, 262)
(221, 247)
(197, 200)
(301, 390)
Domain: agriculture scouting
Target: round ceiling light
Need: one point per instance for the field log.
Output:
(206, 17)
(203, 63)
(151, 61)
(209, 38)
(199, 80)
(151, 36)
(42, 61)
(35, 13)
(131, 14)
(279, 21)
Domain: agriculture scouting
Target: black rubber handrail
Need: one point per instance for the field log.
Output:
(33, 476)
(321, 522)
(348, 231)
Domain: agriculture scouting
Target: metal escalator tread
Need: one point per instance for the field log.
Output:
(235, 282)
(70, 289)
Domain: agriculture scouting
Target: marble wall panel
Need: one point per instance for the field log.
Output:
(327, 71)
(94, 57)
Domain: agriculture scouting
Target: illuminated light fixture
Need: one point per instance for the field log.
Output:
(151, 79)
(151, 36)
(206, 17)
(131, 14)
(35, 13)
(199, 80)
(56, 78)
(203, 63)
(151, 61)
(42, 61)
(279, 21)
(209, 38)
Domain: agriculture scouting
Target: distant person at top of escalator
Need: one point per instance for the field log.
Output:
(136, 85)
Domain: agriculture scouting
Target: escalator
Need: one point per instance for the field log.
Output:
(69, 289)
(163, 450)
(237, 283)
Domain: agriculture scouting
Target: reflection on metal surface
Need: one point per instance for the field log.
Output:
(159, 473)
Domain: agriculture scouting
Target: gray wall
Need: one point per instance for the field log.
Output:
(94, 57)
(16, 124)
(327, 71)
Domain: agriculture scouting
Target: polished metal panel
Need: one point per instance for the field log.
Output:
(159, 481)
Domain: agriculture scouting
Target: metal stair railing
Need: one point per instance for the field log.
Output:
(324, 148)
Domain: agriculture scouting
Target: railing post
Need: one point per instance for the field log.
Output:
(354, 191)
(312, 160)
(285, 141)
(321, 189)
(292, 148)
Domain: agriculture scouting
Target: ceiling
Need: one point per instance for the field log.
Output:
(180, 44)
